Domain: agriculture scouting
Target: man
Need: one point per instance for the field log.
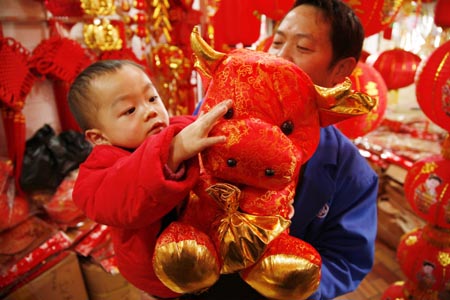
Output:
(335, 202)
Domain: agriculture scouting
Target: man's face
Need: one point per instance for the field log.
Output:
(303, 37)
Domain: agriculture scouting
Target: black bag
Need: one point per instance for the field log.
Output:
(49, 158)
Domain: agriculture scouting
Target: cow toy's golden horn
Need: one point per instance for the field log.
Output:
(340, 102)
(206, 58)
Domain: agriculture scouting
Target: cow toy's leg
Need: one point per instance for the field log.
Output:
(290, 269)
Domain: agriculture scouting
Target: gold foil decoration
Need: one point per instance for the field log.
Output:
(411, 240)
(161, 19)
(98, 7)
(173, 264)
(444, 259)
(243, 237)
(285, 277)
(102, 36)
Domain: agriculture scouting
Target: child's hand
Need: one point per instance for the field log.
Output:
(194, 137)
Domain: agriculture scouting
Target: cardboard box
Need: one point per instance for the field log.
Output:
(105, 286)
(62, 281)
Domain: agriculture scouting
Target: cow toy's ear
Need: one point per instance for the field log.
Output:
(206, 58)
(340, 103)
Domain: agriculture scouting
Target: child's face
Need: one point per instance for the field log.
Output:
(130, 109)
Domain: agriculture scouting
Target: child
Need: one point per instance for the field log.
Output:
(143, 163)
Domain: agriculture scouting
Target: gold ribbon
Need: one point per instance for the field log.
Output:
(242, 237)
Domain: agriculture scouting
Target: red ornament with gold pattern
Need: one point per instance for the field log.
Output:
(433, 86)
(397, 67)
(369, 81)
(274, 9)
(427, 188)
(375, 15)
(424, 257)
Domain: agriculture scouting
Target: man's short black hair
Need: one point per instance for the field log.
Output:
(347, 32)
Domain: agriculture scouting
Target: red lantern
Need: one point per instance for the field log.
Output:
(424, 257)
(375, 15)
(367, 80)
(398, 67)
(427, 188)
(441, 15)
(235, 22)
(274, 9)
(433, 86)
(394, 292)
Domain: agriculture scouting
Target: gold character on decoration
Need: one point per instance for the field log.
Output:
(102, 35)
(425, 193)
(98, 7)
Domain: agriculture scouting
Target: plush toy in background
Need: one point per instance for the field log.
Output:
(237, 218)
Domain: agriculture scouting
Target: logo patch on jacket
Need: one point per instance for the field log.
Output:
(323, 212)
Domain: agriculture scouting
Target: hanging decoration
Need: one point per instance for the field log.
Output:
(173, 71)
(235, 22)
(424, 253)
(274, 9)
(375, 15)
(427, 188)
(397, 67)
(367, 80)
(160, 20)
(433, 86)
(16, 81)
(64, 8)
(101, 34)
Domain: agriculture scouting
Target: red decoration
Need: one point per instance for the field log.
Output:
(235, 22)
(441, 13)
(64, 8)
(433, 86)
(397, 67)
(424, 257)
(274, 9)
(424, 254)
(49, 58)
(394, 292)
(16, 81)
(427, 190)
(367, 80)
(375, 15)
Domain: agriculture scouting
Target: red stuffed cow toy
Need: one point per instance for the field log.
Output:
(237, 218)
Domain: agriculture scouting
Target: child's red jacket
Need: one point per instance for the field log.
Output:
(131, 192)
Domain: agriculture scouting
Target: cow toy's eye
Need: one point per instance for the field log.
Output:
(231, 162)
(229, 114)
(287, 127)
(269, 172)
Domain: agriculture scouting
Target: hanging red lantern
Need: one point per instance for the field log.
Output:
(397, 67)
(441, 15)
(367, 80)
(424, 257)
(274, 9)
(375, 15)
(433, 86)
(235, 22)
(427, 187)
